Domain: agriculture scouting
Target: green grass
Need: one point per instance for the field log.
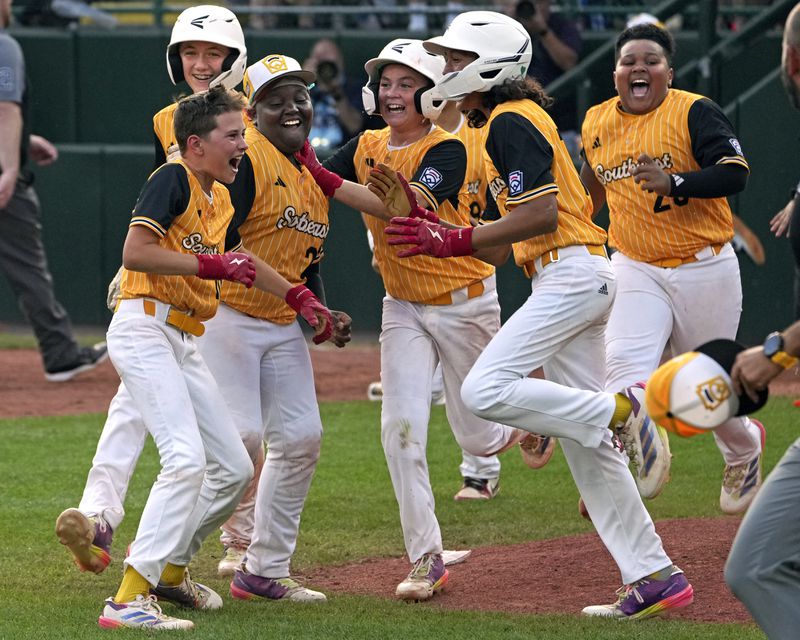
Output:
(350, 514)
(22, 338)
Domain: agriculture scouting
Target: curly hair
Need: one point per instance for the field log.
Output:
(647, 32)
(519, 89)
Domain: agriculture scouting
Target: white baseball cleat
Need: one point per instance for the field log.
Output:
(646, 444)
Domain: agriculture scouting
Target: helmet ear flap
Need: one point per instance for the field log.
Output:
(369, 97)
(174, 64)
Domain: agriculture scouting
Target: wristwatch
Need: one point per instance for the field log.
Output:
(773, 349)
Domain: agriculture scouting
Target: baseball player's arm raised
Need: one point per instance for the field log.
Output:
(596, 190)
(532, 218)
(716, 149)
(490, 243)
(333, 185)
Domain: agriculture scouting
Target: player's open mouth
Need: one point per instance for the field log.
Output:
(234, 163)
(639, 88)
(294, 122)
(395, 108)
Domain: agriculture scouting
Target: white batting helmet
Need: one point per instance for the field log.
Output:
(209, 23)
(503, 47)
(693, 392)
(413, 55)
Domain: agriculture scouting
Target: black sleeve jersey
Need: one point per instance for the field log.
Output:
(442, 171)
(519, 152)
(342, 163)
(164, 196)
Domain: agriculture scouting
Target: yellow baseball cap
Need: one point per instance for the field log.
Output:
(269, 69)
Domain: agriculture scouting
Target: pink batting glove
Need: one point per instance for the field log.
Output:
(306, 304)
(429, 238)
(328, 181)
(237, 267)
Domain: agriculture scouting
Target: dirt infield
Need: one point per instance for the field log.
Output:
(537, 577)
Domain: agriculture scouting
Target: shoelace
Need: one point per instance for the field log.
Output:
(734, 475)
(288, 583)
(422, 567)
(148, 603)
(626, 590)
(629, 444)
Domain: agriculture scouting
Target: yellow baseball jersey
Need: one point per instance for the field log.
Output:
(164, 129)
(281, 216)
(472, 197)
(172, 205)
(526, 159)
(687, 132)
(435, 166)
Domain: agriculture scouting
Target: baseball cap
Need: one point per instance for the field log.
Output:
(693, 392)
(269, 69)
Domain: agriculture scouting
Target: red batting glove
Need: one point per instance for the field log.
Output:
(328, 181)
(305, 303)
(429, 238)
(237, 267)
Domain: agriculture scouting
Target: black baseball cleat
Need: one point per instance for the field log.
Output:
(88, 359)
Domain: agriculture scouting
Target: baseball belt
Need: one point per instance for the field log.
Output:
(548, 257)
(703, 254)
(180, 320)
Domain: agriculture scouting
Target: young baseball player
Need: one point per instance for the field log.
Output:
(254, 347)
(481, 474)
(172, 264)
(206, 49)
(664, 160)
(546, 214)
(428, 302)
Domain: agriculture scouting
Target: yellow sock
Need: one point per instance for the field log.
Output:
(172, 575)
(622, 410)
(133, 584)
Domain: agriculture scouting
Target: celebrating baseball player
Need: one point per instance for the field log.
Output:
(433, 311)
(206, 49)
(253, 346)
(546, 214)
(169, 287)
(664, 160)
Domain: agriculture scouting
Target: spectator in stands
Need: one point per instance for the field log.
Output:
(556, 49)
(22, 257)
(336, 99)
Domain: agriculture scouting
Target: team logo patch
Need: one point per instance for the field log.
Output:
(713, 392)
(514, 183)
(430, 177)
(275, 63)
(736, 146)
